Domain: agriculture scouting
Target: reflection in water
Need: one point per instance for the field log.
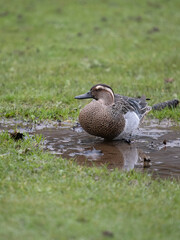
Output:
(158, 142)
(89, 150)
(122, 156)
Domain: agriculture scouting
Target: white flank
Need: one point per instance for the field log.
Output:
(131, 124)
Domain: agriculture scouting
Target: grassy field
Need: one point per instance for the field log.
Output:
(52, 51)
(43, 197)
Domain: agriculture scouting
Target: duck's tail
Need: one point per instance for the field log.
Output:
(170, 104)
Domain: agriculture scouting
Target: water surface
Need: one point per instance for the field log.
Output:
(155, 148)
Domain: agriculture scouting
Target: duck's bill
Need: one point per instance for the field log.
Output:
(84, 96)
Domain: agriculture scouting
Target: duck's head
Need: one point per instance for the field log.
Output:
(101, 93)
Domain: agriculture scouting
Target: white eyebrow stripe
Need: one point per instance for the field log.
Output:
(106, 89)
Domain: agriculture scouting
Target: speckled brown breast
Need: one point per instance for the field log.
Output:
(99, 120)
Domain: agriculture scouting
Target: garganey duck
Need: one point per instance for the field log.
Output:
(111, 115)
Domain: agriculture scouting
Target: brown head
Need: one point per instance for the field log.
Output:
(101, 93)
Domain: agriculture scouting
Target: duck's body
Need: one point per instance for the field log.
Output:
(100, 120)
(110, 115)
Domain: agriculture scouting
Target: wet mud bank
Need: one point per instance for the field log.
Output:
(155, 148)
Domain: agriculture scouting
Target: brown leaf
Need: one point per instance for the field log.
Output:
(108, 234)
(17, 135)
(153, 30)
(168, 80)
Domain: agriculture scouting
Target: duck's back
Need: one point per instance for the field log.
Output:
(137, 105)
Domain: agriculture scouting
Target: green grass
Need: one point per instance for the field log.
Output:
(43, 197)
(52, 51)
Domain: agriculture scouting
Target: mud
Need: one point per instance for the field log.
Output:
(155, 148)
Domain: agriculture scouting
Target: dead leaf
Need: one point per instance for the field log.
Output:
(168, 80)
(108, 234)
(17, 136)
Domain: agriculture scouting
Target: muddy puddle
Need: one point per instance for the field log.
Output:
(156, 146)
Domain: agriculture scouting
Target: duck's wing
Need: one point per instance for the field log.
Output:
(138, 105)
